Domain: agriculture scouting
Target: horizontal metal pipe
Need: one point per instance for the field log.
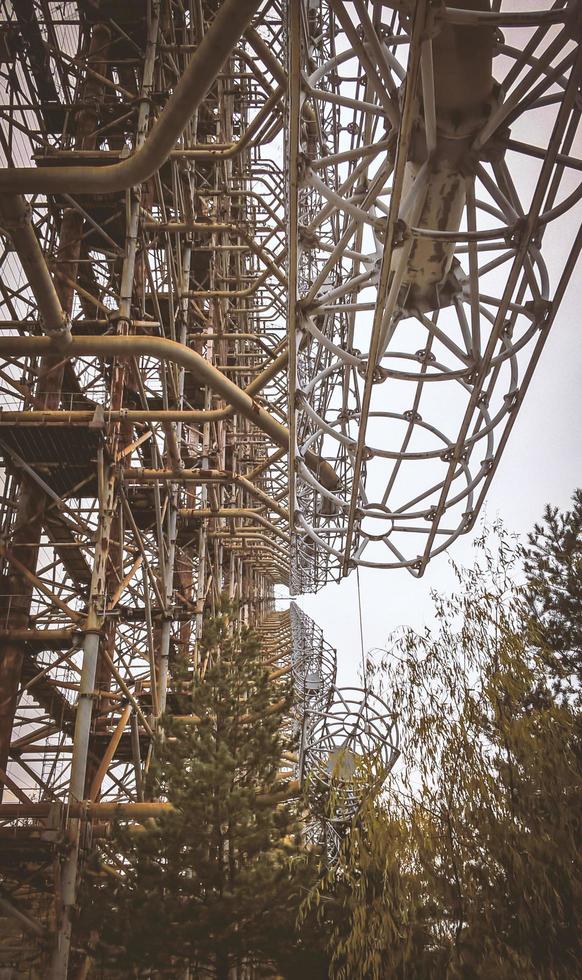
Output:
(135, 475)
(130, 811)
(136, 416)
(169, 350)
(230, 513)
(165, 350)
(96, 325)
(233, 17)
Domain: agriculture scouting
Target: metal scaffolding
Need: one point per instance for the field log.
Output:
(274, 278)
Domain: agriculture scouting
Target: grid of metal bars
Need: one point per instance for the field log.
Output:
(274, 277)
(438, 209)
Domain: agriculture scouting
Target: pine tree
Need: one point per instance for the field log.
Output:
(553, 565)
(216, 881)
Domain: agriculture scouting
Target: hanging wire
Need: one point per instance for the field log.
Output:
(364, 670)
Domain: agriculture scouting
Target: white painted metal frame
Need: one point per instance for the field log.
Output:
(433, 185)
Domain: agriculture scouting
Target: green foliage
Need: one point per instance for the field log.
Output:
(470, 866)
(553, 564)
(467, 867)
(218, 879)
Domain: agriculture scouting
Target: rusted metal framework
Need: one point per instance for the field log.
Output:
(142, 425)
(274, 276)
(346, 739)
(313, 664)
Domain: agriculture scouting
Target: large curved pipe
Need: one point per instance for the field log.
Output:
(228, 25)
(233, 17)
(164, 350)
(138, 416)
(169, 350)
(16, 219)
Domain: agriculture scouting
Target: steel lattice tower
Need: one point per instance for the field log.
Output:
(274, 278)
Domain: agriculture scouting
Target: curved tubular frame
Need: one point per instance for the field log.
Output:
(355, 730)
(15, 218)
(423, 299)
(313, 663)
(165, 350)
(188, 415)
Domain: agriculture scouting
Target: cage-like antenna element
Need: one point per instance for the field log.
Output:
(313, 664)
(348, 751)
(438, 204)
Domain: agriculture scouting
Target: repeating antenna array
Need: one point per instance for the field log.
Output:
(274, 279)
(349, 738)
(437, 200)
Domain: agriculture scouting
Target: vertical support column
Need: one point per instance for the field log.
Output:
(108, 509)
(27, 530)
(166, 631)
(202, 542)
(93, 629)
(294, 121)
(172, 516)
(131, 278)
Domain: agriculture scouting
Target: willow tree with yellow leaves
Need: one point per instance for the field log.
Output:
(469, 865)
